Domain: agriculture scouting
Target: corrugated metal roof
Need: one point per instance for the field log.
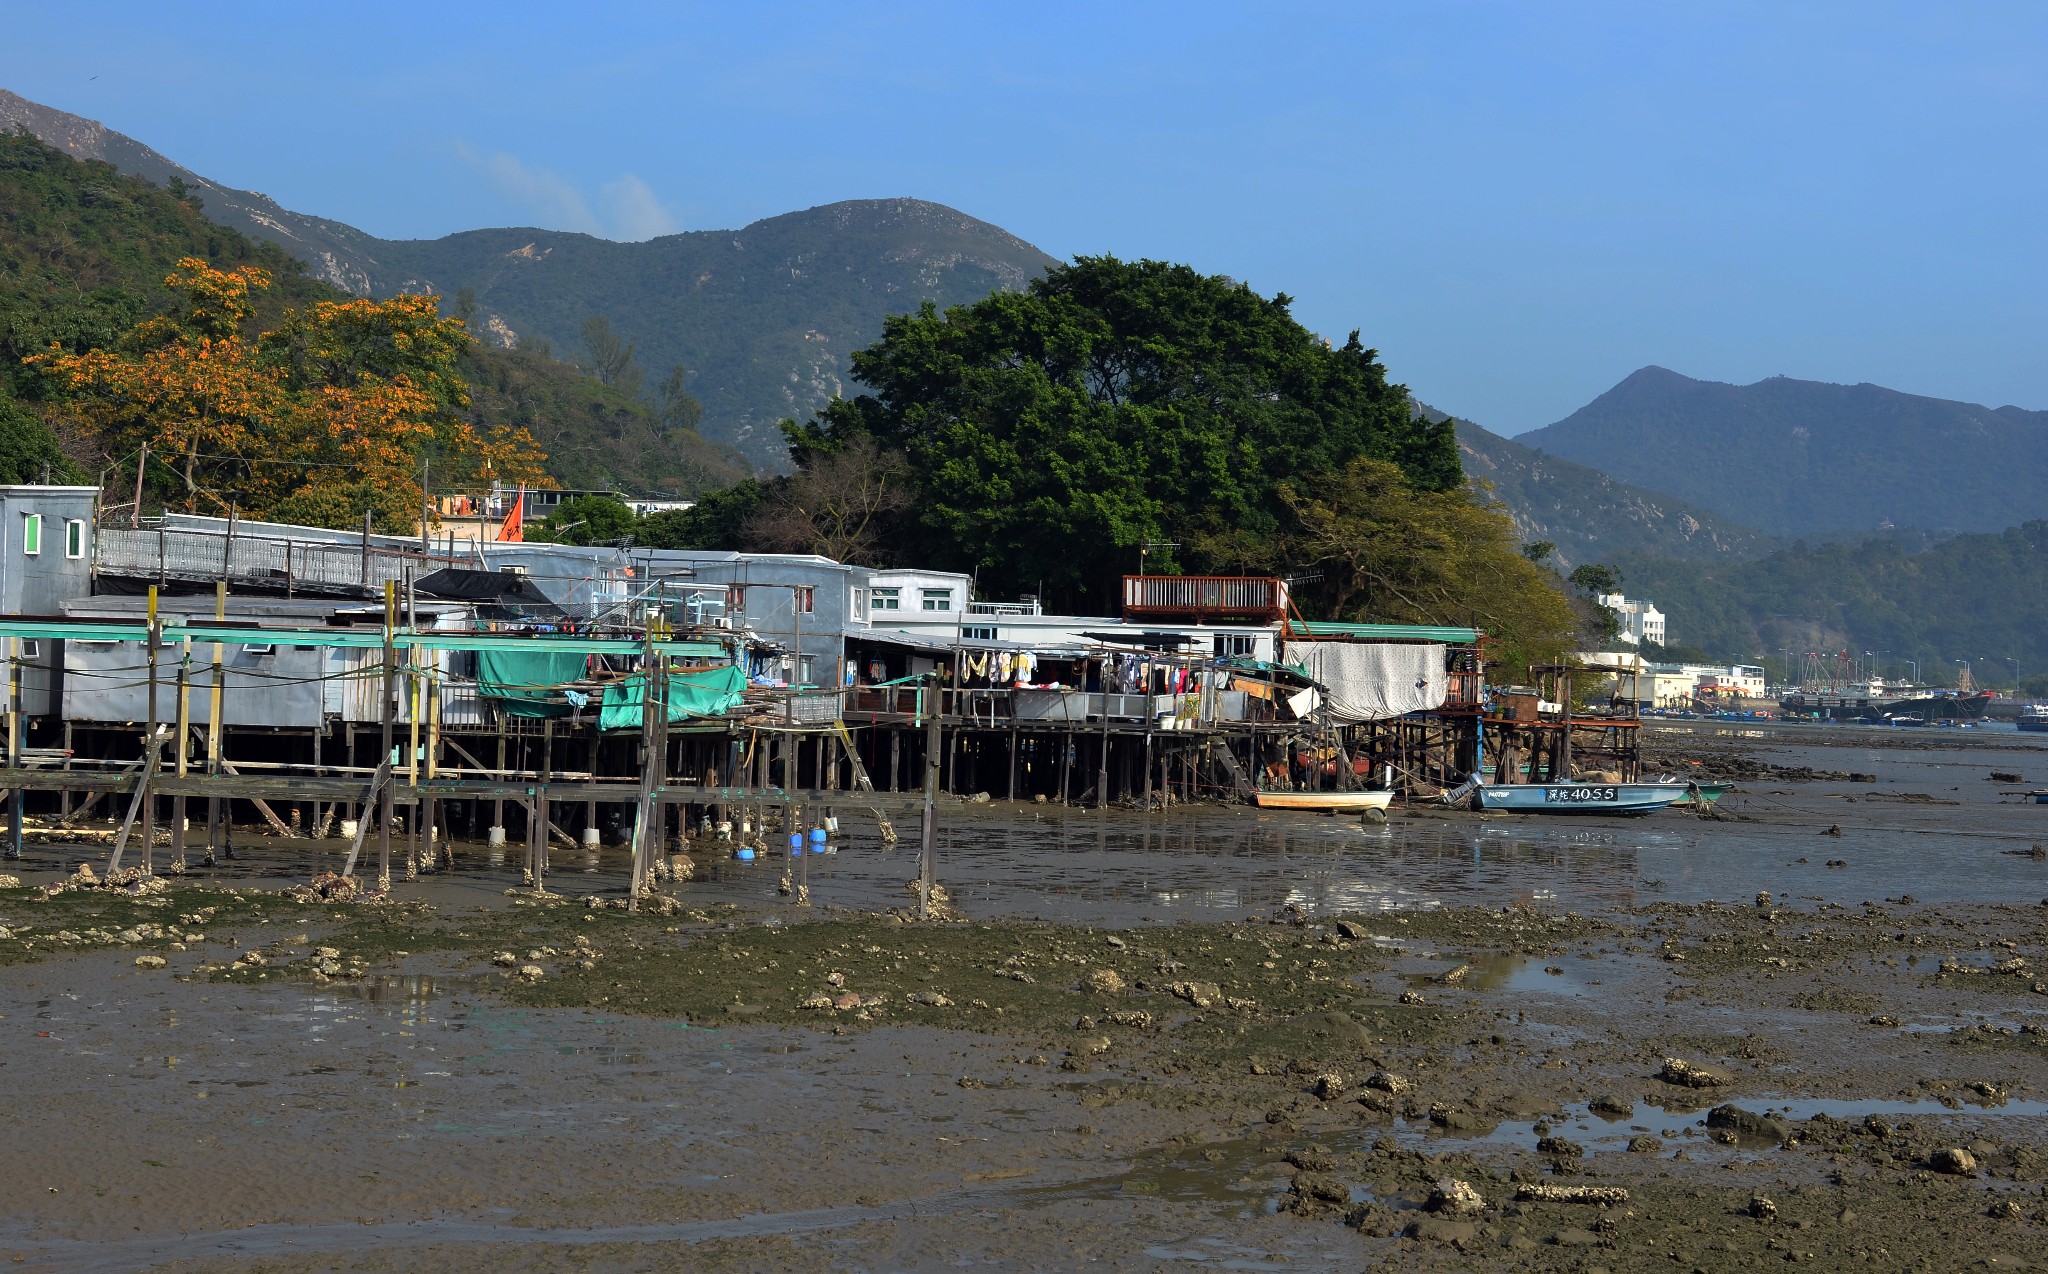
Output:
(1382, 632)
(358, 638)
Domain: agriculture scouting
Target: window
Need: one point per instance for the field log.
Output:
(32, 534)
(74, 537)
(979, 632)
(936, 598)
(860, 603)
(806, 669)
(806, 599)
(736, 600)
(886, 599)
(1236, 647)
(31, 648)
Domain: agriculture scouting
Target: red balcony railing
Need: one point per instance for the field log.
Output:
(1203, 597)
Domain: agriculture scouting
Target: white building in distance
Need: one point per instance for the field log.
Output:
(1640, 621)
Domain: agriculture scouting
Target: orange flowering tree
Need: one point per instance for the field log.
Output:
(335, 412)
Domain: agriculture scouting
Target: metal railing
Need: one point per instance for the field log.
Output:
(165, 553)
(1253, 596)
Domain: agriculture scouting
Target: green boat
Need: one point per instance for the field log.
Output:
(1708, 792)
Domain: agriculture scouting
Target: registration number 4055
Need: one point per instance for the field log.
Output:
(1577, 795)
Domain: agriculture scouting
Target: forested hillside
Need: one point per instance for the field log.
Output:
(84, 251)
(1976, 597)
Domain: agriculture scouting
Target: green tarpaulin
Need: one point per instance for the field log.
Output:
(529, 683)
(710, 693)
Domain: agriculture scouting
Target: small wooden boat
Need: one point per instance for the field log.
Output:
(1708, 792)
(1340, 802)
(1581, 798)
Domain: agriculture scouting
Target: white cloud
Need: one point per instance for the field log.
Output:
(634, 212)
(626, 210)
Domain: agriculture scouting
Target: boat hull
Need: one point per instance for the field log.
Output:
(1581, 798)
(1343, 802)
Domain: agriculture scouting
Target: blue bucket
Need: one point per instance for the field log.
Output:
(817, 836)
(744, 855)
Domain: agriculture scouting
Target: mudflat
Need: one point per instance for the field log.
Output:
(1812, 1027)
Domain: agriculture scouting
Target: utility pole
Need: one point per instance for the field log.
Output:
(135, 510)
(928, 829)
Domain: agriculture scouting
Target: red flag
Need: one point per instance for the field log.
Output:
(513, 528)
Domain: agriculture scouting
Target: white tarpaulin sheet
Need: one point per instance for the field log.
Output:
(1375, 681)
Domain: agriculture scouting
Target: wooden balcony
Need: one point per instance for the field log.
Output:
(1203, 598)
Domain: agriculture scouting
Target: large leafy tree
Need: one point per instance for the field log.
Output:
(1051, 432)
(1382, 550)
(332, 413)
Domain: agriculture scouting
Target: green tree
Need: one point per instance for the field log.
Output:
(586, 519)
(29, 451)
(610, 354)
(1389, 553)
(1052, 431)
(674, 406)
(1596, 578)
(717, 521)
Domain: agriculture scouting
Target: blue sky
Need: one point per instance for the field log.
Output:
(1517, 203)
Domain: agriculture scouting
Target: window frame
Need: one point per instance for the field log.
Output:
(31, 535)
(74, 530)
(925, 597)
(885, 599)
(979, 632)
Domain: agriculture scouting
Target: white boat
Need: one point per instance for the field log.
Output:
(1342, 802)
(1581, 798)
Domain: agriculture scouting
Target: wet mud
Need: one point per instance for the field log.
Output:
(1209, 1038)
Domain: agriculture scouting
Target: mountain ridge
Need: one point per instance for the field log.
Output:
(1588, 514)
(1799, 457)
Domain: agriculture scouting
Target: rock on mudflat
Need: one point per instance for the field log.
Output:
(1605, 1196)
(1693, 1074)
(1609, 1104)
(1455, 1197)
(1106, 982)
(1746, 1123)
(1321, 1187)
(1953, 1160)
(1202, 995)
(1313, 1159)
(149, 962)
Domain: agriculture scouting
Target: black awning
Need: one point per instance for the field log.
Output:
(513, 593)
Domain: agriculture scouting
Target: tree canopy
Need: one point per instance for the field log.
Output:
(1112, 404)
(328, 415)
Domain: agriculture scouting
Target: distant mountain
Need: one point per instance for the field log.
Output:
(1798, 457)
(764, 318)
(1590, 516)
(1977, 597)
